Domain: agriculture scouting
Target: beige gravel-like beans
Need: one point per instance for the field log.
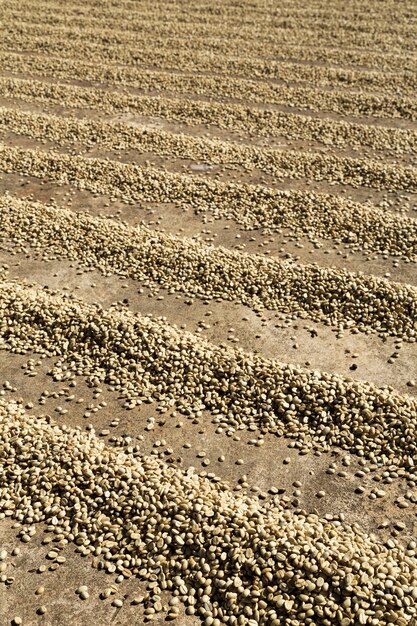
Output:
(283, 16)
(143, 359)
(333, 296)
(278, 163)
(228, 556)
(293, 120)
(250, 205)
(230, 56)
(343, 102)
(252, 35)
(286, 72)
(233, 117)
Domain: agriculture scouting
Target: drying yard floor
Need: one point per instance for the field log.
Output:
(208, 247)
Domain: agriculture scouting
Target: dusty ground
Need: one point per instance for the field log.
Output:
(275, 464)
